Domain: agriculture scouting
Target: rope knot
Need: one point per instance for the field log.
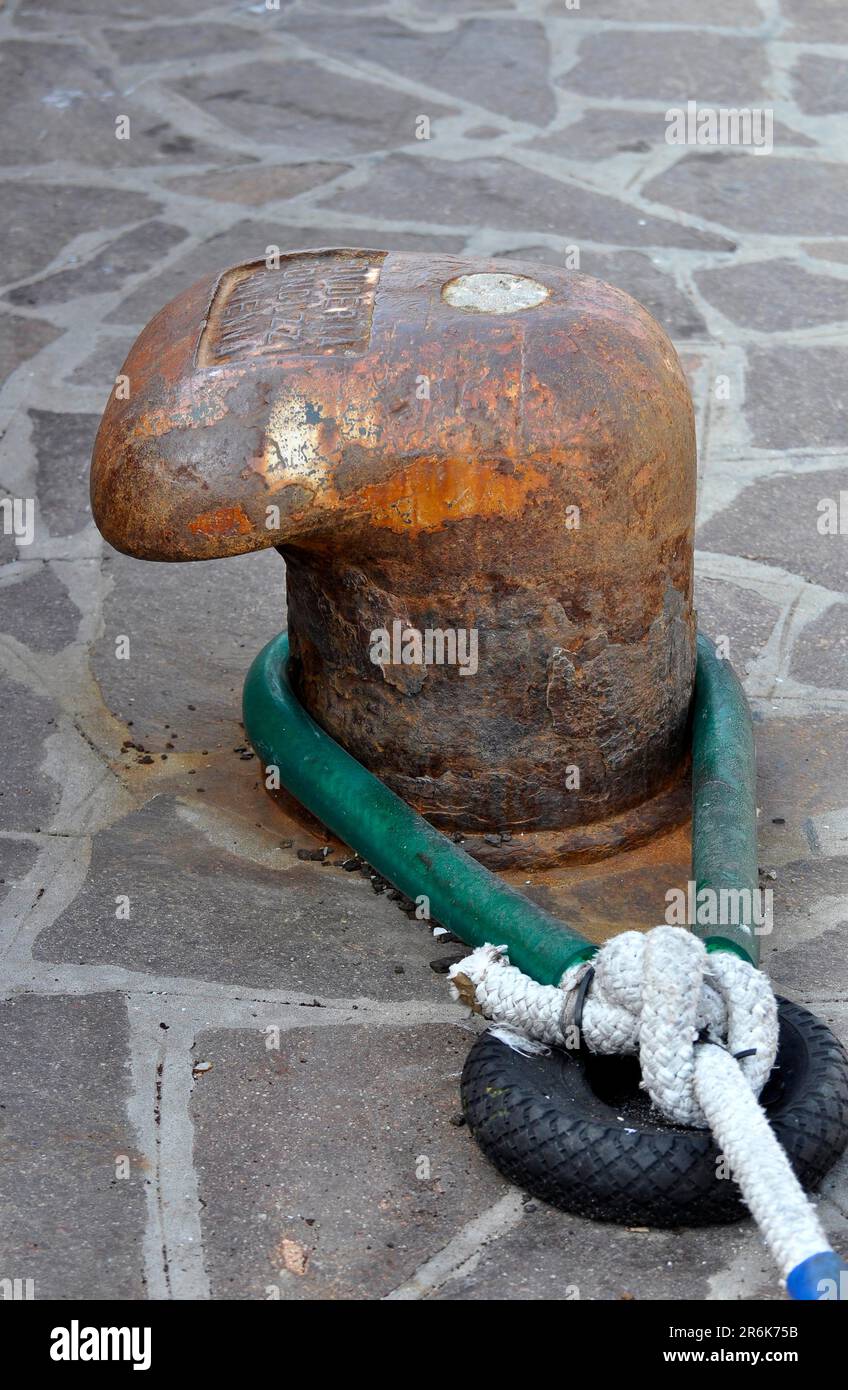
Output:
(657, 993)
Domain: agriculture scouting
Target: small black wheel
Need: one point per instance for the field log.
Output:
(575, 1130)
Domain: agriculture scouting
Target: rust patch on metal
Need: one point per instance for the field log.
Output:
(428, 493)
(226, 521)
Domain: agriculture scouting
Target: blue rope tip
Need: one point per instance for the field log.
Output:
(820, 1278)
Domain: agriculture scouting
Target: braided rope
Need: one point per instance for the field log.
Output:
(686, 1012)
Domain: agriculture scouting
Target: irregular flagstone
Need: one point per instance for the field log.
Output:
(63, 444)
(44, 13)
(817, 964)
(44, 217)
(795, 397)
(827, 250)
(742, 14)
(366, 1179)
(820, 84)
(601, 133)
(437, 6)
(776, 520)
(28, 796)
(59, 104)
(302, 105)
(38, 612)
(673, 66)
(157, 43)
(210, 913)
(253, 185)
(499, 193)
(774, 295)
(800, 784)
(69, 1219)
(223, 610)
(756, 193)
(16, 859)
(814, 962)
(820, 654)
(8, 548)
(102, 366)
(482, 132)
(552, 1256)
(21, 339)
(485, 61)
(744, 618)
(803, 846)
(129, 254)
(814, 21)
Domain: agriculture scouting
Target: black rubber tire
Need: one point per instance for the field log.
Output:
(574, 1130)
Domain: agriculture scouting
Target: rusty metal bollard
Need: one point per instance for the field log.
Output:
(495, 455)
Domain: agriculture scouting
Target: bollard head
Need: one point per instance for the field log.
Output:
(449, 445)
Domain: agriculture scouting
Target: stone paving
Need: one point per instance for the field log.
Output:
(248, 1087)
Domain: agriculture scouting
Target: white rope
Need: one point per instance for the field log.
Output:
(686, 1012)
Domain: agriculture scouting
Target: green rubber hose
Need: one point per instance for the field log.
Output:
(724, 804)
(405, 849)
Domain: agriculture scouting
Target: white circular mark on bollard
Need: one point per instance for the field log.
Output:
(496, 293)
